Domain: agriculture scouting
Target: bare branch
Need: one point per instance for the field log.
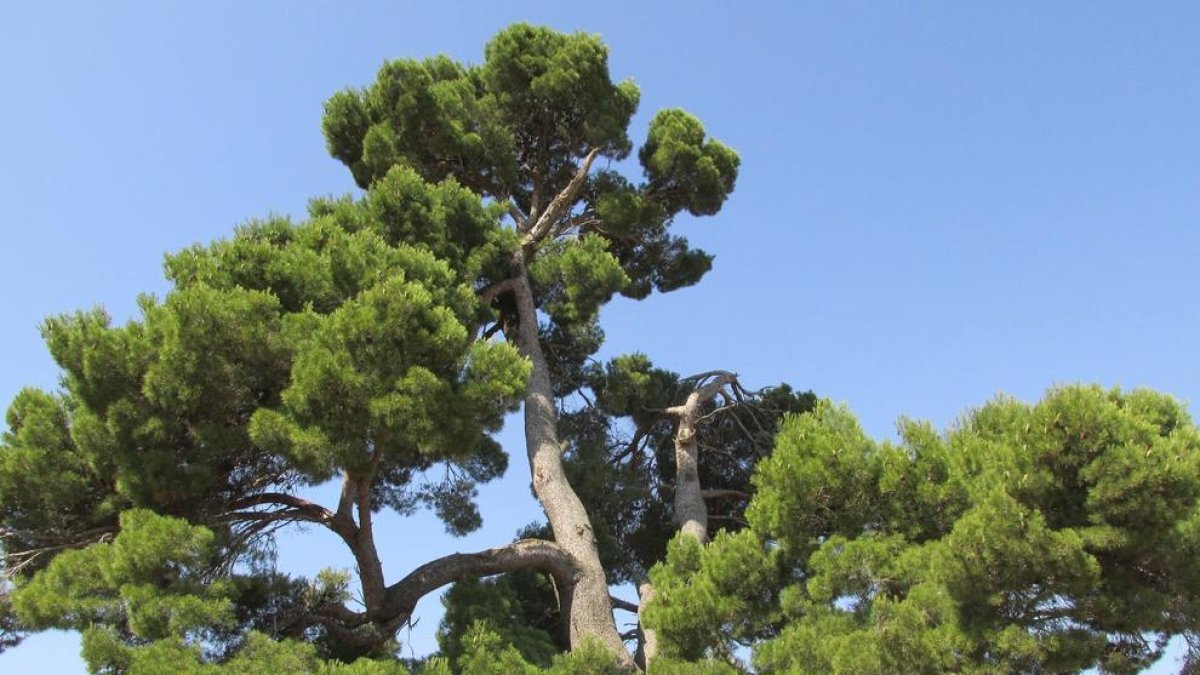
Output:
(15, 562)
(579, 223)
(559, 206)
(635, 445)
(312, 510)
(708, 385)
(691, 513)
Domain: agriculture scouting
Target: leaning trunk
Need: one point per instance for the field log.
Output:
(587, 605)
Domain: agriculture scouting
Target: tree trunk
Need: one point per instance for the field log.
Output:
(587, 605)
(649, 635)
(691, 513)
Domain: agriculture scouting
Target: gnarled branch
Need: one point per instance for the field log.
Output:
(527, 554)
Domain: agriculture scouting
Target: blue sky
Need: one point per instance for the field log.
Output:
(938, 201)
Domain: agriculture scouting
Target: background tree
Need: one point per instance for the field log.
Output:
(1053, 537)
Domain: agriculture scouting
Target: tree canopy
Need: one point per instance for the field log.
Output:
(380, 342)
(1053, 537)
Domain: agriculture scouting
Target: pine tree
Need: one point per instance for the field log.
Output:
(384, 335)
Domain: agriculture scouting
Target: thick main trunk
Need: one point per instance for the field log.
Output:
(587, 605)
(370, 569)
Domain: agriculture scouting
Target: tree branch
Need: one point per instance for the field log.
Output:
(536, 554)
(559, 206)
(626, 605)
(709, 384)
(634, 445)
(580, 222)
(486, 296)
(721, 494)
(295, 509)
(317, 512)
(346, 499)
(490, 293)
(370, 569)
(13, 563)
(521, 220)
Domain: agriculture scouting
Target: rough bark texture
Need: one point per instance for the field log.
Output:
(587, 605)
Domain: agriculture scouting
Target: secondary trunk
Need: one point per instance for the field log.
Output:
(691, 513)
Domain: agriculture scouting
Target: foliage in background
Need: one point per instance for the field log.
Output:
(1052, 537)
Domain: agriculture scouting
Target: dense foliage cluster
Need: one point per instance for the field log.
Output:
(1053, 537)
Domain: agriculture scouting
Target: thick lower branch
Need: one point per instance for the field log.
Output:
(527, 554)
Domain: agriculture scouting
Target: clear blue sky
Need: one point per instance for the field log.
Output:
(938, 201)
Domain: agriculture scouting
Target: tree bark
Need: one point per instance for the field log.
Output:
(691, 513)
(538, 554)
(649, 635)
(587, 605)
(386, 608)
